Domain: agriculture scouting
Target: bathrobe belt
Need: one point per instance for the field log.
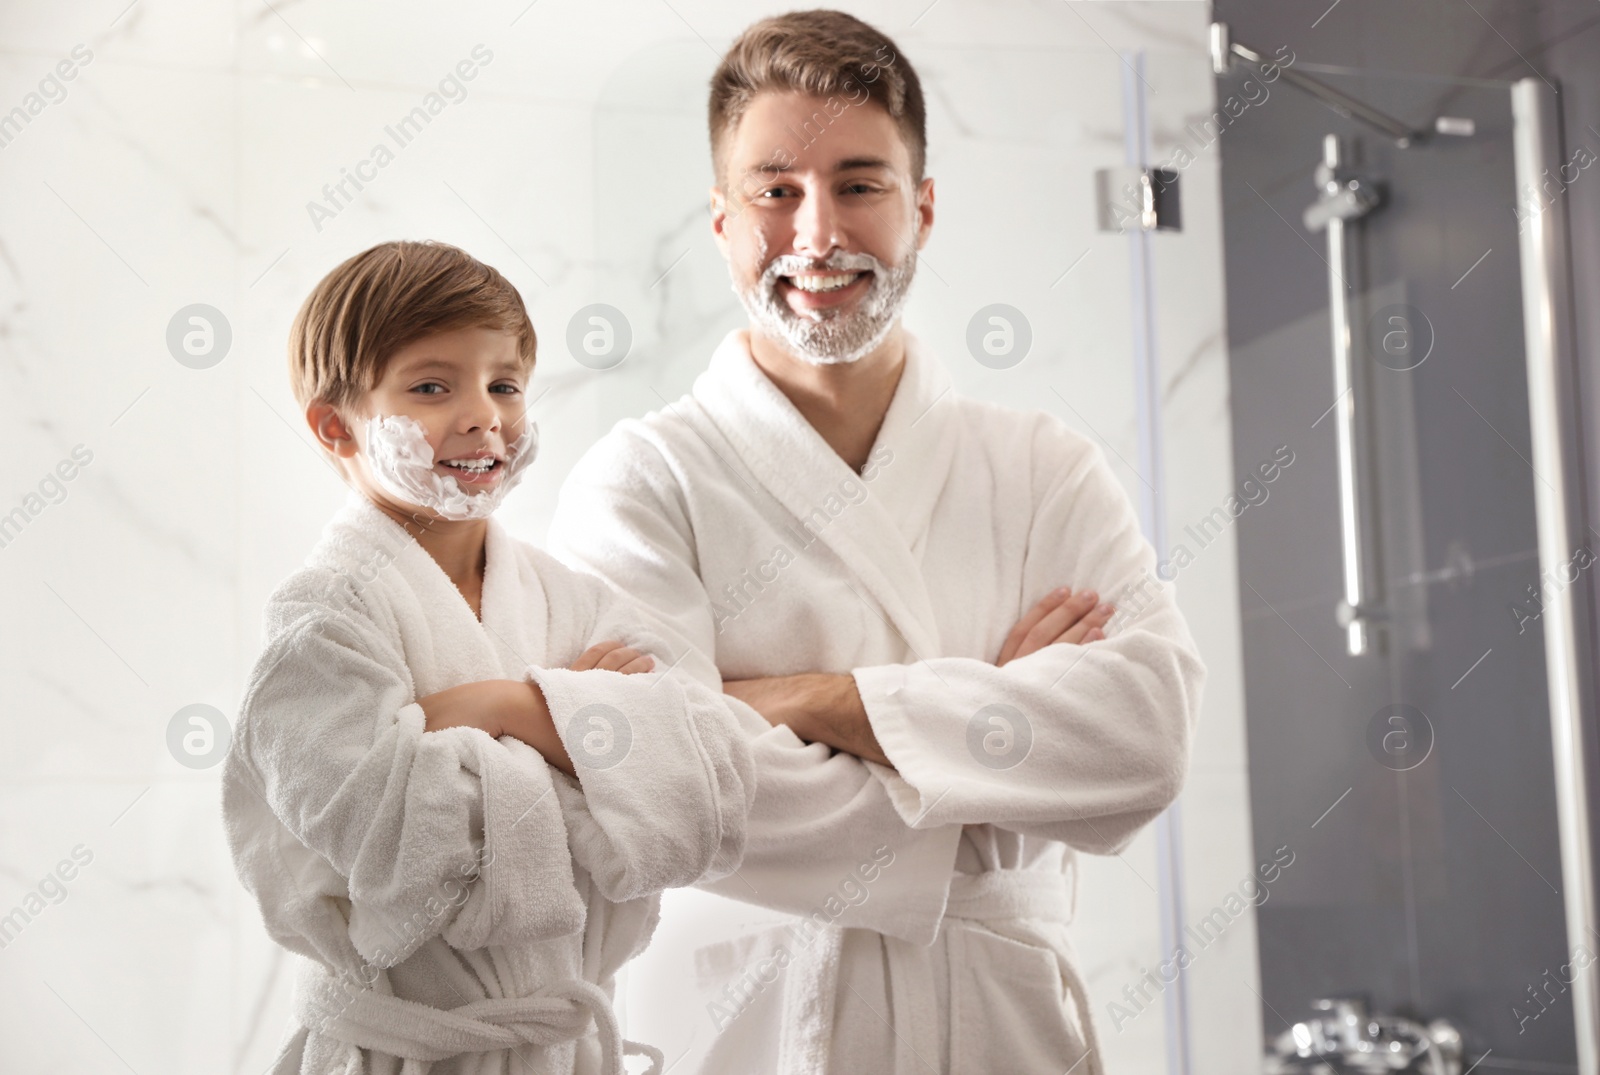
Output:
(1035, 895)
(420, 1034)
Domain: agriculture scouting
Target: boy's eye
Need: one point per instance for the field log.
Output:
(508, 387)
(430, 384)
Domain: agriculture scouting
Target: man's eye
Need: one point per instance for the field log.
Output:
(773, 192)
(862, 188)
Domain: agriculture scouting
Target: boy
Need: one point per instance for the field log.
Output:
(452, 790)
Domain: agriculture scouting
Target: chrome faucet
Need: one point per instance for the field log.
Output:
(1344, 1037)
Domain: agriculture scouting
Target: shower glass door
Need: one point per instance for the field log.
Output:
(1412, 784)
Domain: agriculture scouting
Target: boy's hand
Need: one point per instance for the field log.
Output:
(470, 705)
(499, 707)
(613, 657)
(517, 708)
(1060, 616)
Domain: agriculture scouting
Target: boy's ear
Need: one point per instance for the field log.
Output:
(330, 429)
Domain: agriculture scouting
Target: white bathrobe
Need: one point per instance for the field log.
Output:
(729, 514)
(485, 897)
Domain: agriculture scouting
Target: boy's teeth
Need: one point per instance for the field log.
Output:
(824, 283)
(470, 464)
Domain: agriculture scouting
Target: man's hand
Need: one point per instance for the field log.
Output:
(817, 707)
(1060, 616)
(613, 657)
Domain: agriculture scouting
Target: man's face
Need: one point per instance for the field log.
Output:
(821, 239)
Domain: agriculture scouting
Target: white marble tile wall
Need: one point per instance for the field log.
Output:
(175, 167)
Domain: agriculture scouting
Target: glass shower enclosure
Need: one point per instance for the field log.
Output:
(1415, 639)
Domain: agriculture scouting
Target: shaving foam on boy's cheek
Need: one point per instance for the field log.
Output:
(402, 463)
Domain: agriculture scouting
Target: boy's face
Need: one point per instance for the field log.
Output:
(788, 213)
(464, 386)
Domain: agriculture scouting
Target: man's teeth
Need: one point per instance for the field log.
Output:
(470, 464)
(824, 283)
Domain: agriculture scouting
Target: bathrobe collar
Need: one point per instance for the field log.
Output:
(456, 647)
(880, 537)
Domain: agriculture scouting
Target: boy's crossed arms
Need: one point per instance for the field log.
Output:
(518, 708)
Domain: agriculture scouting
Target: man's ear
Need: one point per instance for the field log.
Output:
(924, 211)
(719, 220)
(331, 430)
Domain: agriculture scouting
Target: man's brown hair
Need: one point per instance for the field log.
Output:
(824, 54)
(386, 298)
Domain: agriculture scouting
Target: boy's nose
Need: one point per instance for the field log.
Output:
(481, 413)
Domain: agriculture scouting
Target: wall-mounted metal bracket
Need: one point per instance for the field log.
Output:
(1137, 199)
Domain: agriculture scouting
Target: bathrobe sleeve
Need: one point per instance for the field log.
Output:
(664, 776)
(1080, 743)
(445, 833)
(818, 818)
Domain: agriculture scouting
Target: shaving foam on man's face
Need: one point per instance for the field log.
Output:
(836, 332)
(821, 237)
(447, 430)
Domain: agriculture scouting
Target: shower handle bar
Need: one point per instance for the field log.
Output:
(1344, 200)
(1356, 639)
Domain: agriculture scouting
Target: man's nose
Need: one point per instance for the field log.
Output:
(817, 231)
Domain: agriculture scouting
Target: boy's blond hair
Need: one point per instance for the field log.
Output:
(386, 298)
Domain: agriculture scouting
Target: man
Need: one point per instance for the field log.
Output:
(878, 567)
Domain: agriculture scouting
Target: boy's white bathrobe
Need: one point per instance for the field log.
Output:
(729, 514)
(486, 898)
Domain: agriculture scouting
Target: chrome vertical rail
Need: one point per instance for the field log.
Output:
(1344, 424)
(1342, 200)
(1558, 500)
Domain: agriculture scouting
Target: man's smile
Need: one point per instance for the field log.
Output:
(823, 290)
